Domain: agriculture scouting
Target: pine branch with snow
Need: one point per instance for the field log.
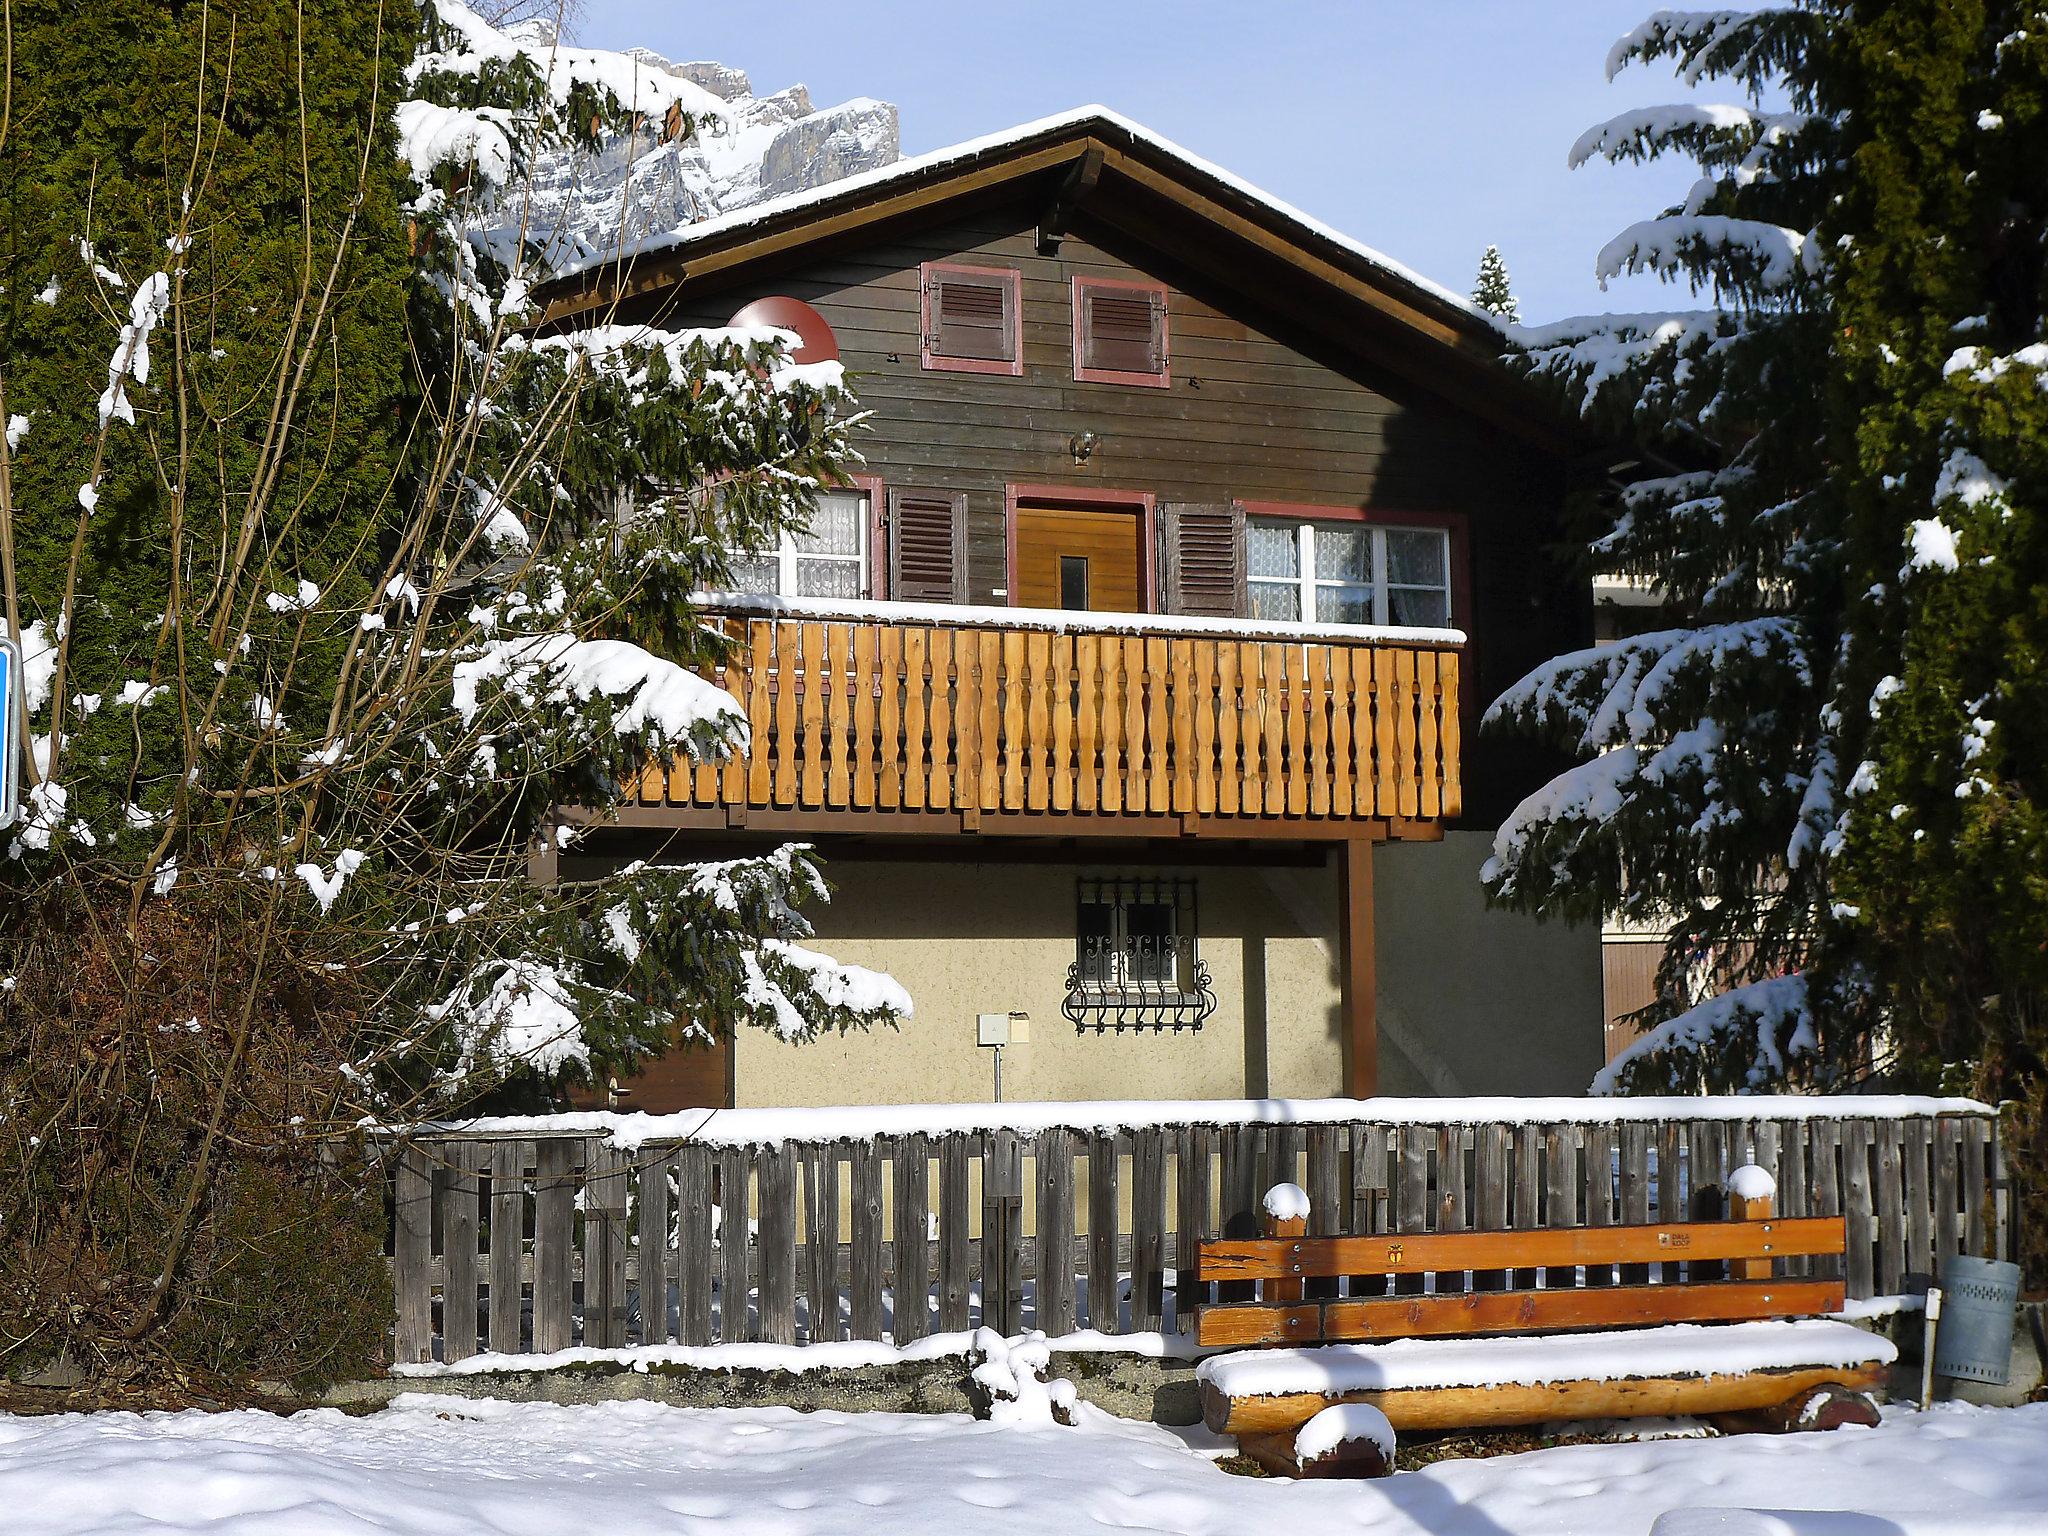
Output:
(1710, 801)
(1823, 776)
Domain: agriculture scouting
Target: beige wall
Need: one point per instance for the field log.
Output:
(998, 938)
(1471, 1001)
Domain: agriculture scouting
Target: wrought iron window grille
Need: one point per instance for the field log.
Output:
(1135, 960)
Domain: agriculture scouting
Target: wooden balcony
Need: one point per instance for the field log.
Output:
(1081, 719)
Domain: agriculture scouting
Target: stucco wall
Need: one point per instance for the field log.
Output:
(1473, 1001)
(997, 938)
(1470, 1001)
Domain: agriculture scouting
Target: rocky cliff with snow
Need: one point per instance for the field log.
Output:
(744, 149)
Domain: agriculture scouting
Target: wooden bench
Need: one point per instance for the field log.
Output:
(1510, 1350)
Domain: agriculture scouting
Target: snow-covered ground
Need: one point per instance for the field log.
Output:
(434, 1466)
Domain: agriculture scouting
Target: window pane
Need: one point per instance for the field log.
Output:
(1343, 552)
(1094, 931)
(1275, 600)
(1273, 549)
(1415, 557)
(835, 525)
(1343, 604)
(756, 575)
(1428, 607)
(1074, 583)
(1148, 930)
(827, 578)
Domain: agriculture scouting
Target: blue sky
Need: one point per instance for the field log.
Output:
(1425, 128)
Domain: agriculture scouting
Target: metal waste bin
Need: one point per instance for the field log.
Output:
(1973, 1339)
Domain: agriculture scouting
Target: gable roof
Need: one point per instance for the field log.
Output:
(1111, 169)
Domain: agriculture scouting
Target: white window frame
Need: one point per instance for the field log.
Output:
(788, 557)
(1305, 581)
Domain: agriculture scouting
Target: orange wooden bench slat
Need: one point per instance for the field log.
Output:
(1439, 1408)
(1562, 1247)
(1246, 1323)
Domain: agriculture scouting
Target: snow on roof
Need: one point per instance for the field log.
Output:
(916, 165)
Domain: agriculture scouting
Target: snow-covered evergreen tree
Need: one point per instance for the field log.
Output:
(1710, 798)
(1824, 772)
(1492, 291)
(335, 586)
(1942, 445)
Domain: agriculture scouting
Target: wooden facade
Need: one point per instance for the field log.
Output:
(1026, 444)
(1282, 398)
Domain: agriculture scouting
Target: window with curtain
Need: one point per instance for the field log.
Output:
(1348, 572)
(829, 559)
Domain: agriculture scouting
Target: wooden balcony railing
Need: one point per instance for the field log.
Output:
(987, 714)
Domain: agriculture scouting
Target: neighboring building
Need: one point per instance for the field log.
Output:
(1132, 690)
(1630, 951)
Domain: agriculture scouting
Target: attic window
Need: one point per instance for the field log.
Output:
(972, 317)
(1120, 332)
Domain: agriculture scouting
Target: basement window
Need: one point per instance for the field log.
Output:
(1135, 960)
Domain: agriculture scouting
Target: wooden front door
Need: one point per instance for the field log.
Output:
(1078, 558)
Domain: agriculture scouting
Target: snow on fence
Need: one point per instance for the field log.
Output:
(1069, 1217)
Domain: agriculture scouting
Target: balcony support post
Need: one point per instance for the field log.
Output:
(1357, 968)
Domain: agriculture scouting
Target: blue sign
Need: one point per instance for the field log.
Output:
(12, 708)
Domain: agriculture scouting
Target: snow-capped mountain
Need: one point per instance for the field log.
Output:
(745, 149)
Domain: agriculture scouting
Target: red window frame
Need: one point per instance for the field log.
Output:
(1011, 277)
(878, 530)
(1457, 524)
(1163, 379)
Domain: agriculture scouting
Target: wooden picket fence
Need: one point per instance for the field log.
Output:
(798, 1241)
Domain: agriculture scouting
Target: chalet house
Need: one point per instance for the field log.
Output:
(1131, 691)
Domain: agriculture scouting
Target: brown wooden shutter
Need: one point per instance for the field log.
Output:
(928, 546)
(970, 317)
(1123, 330)
(1202, 559)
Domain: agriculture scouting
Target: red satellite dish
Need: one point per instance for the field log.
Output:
(816, 343)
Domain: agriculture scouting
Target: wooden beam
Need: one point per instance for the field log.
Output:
(1357, 969)
(1073, 190)
(1434, 1408)
(1236, 1325)
(1536, 1248)
(877, 822)
(1462, 338)
(1349, 1458)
